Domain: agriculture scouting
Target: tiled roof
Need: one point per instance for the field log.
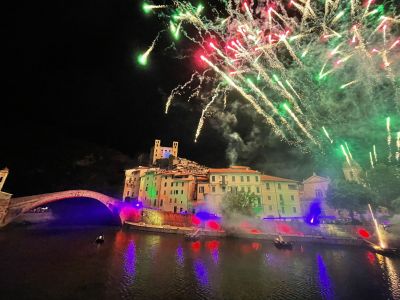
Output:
(274, 178)
(234, 170)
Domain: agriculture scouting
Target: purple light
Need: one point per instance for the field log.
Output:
(201, 272)
(324, 280)
(314, 213)
(130, 260)
(204, 216)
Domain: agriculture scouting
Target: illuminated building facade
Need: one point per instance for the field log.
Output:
(132, 182)
(148, 188)
(233, 179)
(184, 186)
(314, 191)
(281, 197)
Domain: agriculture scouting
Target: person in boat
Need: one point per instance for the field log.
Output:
(100, 239)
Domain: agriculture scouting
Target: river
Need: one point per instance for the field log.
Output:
(42, 262)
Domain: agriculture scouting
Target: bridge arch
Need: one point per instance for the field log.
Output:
(21, 205)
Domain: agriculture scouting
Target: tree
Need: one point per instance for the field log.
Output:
(385, 181)
(238, 203)
(351, 196)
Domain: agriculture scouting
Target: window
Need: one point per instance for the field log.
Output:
(182, 183)
(170, 200)
(248, 178)
(233, 178)
(280, 197)
(241, 178)
(182, 192)
(180, 210)
(165, 192)
(282, 209)
(127, 194)
(165, 184)
(257, 178)
(146, 188)
(161, 202)
(213, 178)
(318, 193)
(292, 186)
(175, 200)
(270, 207)
(213, 189)
(258, 189)
(294, 209)
(267, 185)
(170, 192)
(292, 197)
(223, 189)
(193, 211)
(279, 186)
(269, 197)
(172, 184)
(201, 189)
(248, 189)
(259, 201)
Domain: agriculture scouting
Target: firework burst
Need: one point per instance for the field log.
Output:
(330, 64)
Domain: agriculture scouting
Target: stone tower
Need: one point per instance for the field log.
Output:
(3, 177)
(175, 149)
(160, 152)
(352, 171)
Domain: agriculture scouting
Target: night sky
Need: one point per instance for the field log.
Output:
(77, 109)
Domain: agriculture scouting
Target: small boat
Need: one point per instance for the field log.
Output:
(100, 239)
(383, 251)
(194, 236)
(281, 244)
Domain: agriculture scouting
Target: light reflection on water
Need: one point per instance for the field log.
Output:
(324, 280)
(137, 265)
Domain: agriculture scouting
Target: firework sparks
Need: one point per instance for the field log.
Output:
(300, 52)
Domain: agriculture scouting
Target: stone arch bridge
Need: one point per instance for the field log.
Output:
(15, 207)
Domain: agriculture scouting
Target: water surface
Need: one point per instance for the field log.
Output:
(64, 263)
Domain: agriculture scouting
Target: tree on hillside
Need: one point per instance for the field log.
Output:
(385, 181)
(350, 196)
(238, 203)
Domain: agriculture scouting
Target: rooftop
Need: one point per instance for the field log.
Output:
(234, 169)
(274, 178)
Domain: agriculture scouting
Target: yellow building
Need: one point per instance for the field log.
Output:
(233, 179)
(280, 196)
(132, 182)
(177, 191)
(160, 152)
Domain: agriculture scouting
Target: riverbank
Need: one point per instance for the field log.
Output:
(258, 236)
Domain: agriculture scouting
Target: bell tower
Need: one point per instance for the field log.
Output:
(175, 149)
(3, 177)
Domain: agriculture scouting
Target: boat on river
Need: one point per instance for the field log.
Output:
(100, 239)
(193, 236)
(281, 244)
(383, 251)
